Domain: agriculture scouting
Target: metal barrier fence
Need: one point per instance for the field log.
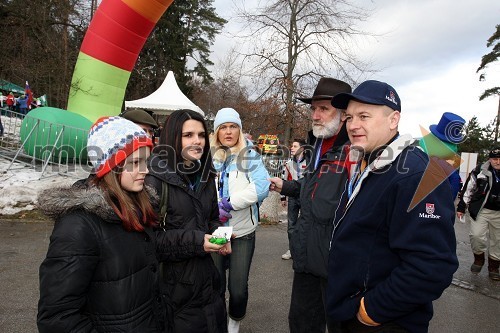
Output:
(11, 122)
(275, 164)
(43, 144)
(55, 147)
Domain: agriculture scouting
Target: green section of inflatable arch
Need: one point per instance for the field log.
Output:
(49, 130)
(97, 94)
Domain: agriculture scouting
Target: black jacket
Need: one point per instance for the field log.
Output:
(98, 277)
(476, 190)
(320, 192)
(190, 287)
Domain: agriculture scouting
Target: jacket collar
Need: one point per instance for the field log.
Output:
(391, 152)
(385, 158)
(59, 201)
(161, 171)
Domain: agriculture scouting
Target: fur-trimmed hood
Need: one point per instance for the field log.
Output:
(59, 201)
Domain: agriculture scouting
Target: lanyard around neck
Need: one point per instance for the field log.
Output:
(222, 176)
(356, 177)
(318, 154)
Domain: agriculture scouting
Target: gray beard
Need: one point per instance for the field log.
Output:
(329, 129)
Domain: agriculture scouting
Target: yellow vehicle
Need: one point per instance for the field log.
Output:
(268, 143)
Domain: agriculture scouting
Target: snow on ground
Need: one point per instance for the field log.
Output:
(21, 182)
(20, 185)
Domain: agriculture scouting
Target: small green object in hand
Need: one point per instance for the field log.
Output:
(218, 241)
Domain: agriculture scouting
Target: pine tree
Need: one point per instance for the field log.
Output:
(494, 55)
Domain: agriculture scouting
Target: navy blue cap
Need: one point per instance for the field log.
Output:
(370, 92)
(449, 128)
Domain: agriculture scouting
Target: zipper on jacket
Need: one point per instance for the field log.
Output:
(314, 190)
(251, 215)
(335, 225)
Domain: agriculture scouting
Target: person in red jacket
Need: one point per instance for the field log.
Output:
(11, 101)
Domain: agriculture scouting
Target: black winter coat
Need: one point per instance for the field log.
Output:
(476, 190)
(190, 287)
(320, 193)
(98, 277)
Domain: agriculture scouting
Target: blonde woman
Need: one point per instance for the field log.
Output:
(242, 184)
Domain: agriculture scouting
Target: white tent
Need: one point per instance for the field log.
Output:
(165, 100)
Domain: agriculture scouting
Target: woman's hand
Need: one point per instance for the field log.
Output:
(210, 247)
(226, 248)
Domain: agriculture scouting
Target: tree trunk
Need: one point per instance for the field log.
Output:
(270, 208)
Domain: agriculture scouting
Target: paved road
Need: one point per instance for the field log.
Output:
(471, 304)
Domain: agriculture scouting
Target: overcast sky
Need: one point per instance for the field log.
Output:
(429, 53)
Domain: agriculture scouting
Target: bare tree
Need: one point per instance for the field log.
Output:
(291, 43)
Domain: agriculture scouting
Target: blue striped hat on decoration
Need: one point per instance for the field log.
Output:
(111, 140)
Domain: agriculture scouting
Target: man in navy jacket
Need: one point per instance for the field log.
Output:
(393, 248)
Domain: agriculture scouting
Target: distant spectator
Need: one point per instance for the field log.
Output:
(23, 104)
(11, 101)
(294, 170)
(142, 118)
(481, 197)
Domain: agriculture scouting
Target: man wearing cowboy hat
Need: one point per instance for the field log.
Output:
(143, 119)
(319, 194)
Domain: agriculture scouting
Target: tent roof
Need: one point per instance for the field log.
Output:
(9, 86)
(166, 99)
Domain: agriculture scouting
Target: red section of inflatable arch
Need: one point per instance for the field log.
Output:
(112, 38)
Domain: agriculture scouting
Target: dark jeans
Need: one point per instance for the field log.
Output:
(354, 326)
(238, 263)
(293, 214)
(1, 128)
(307, 306)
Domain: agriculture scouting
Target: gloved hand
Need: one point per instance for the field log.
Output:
(223, 215)
(225, 204)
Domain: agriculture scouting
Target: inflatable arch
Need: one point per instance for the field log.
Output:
(108, 53)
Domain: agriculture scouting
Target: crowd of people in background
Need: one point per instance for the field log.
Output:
(370, 228)
(19, 103)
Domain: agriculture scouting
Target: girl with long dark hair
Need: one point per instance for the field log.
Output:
(181, 171)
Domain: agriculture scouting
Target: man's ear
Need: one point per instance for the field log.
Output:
(394, 119)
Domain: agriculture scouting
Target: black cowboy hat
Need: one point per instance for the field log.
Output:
(327, 88)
